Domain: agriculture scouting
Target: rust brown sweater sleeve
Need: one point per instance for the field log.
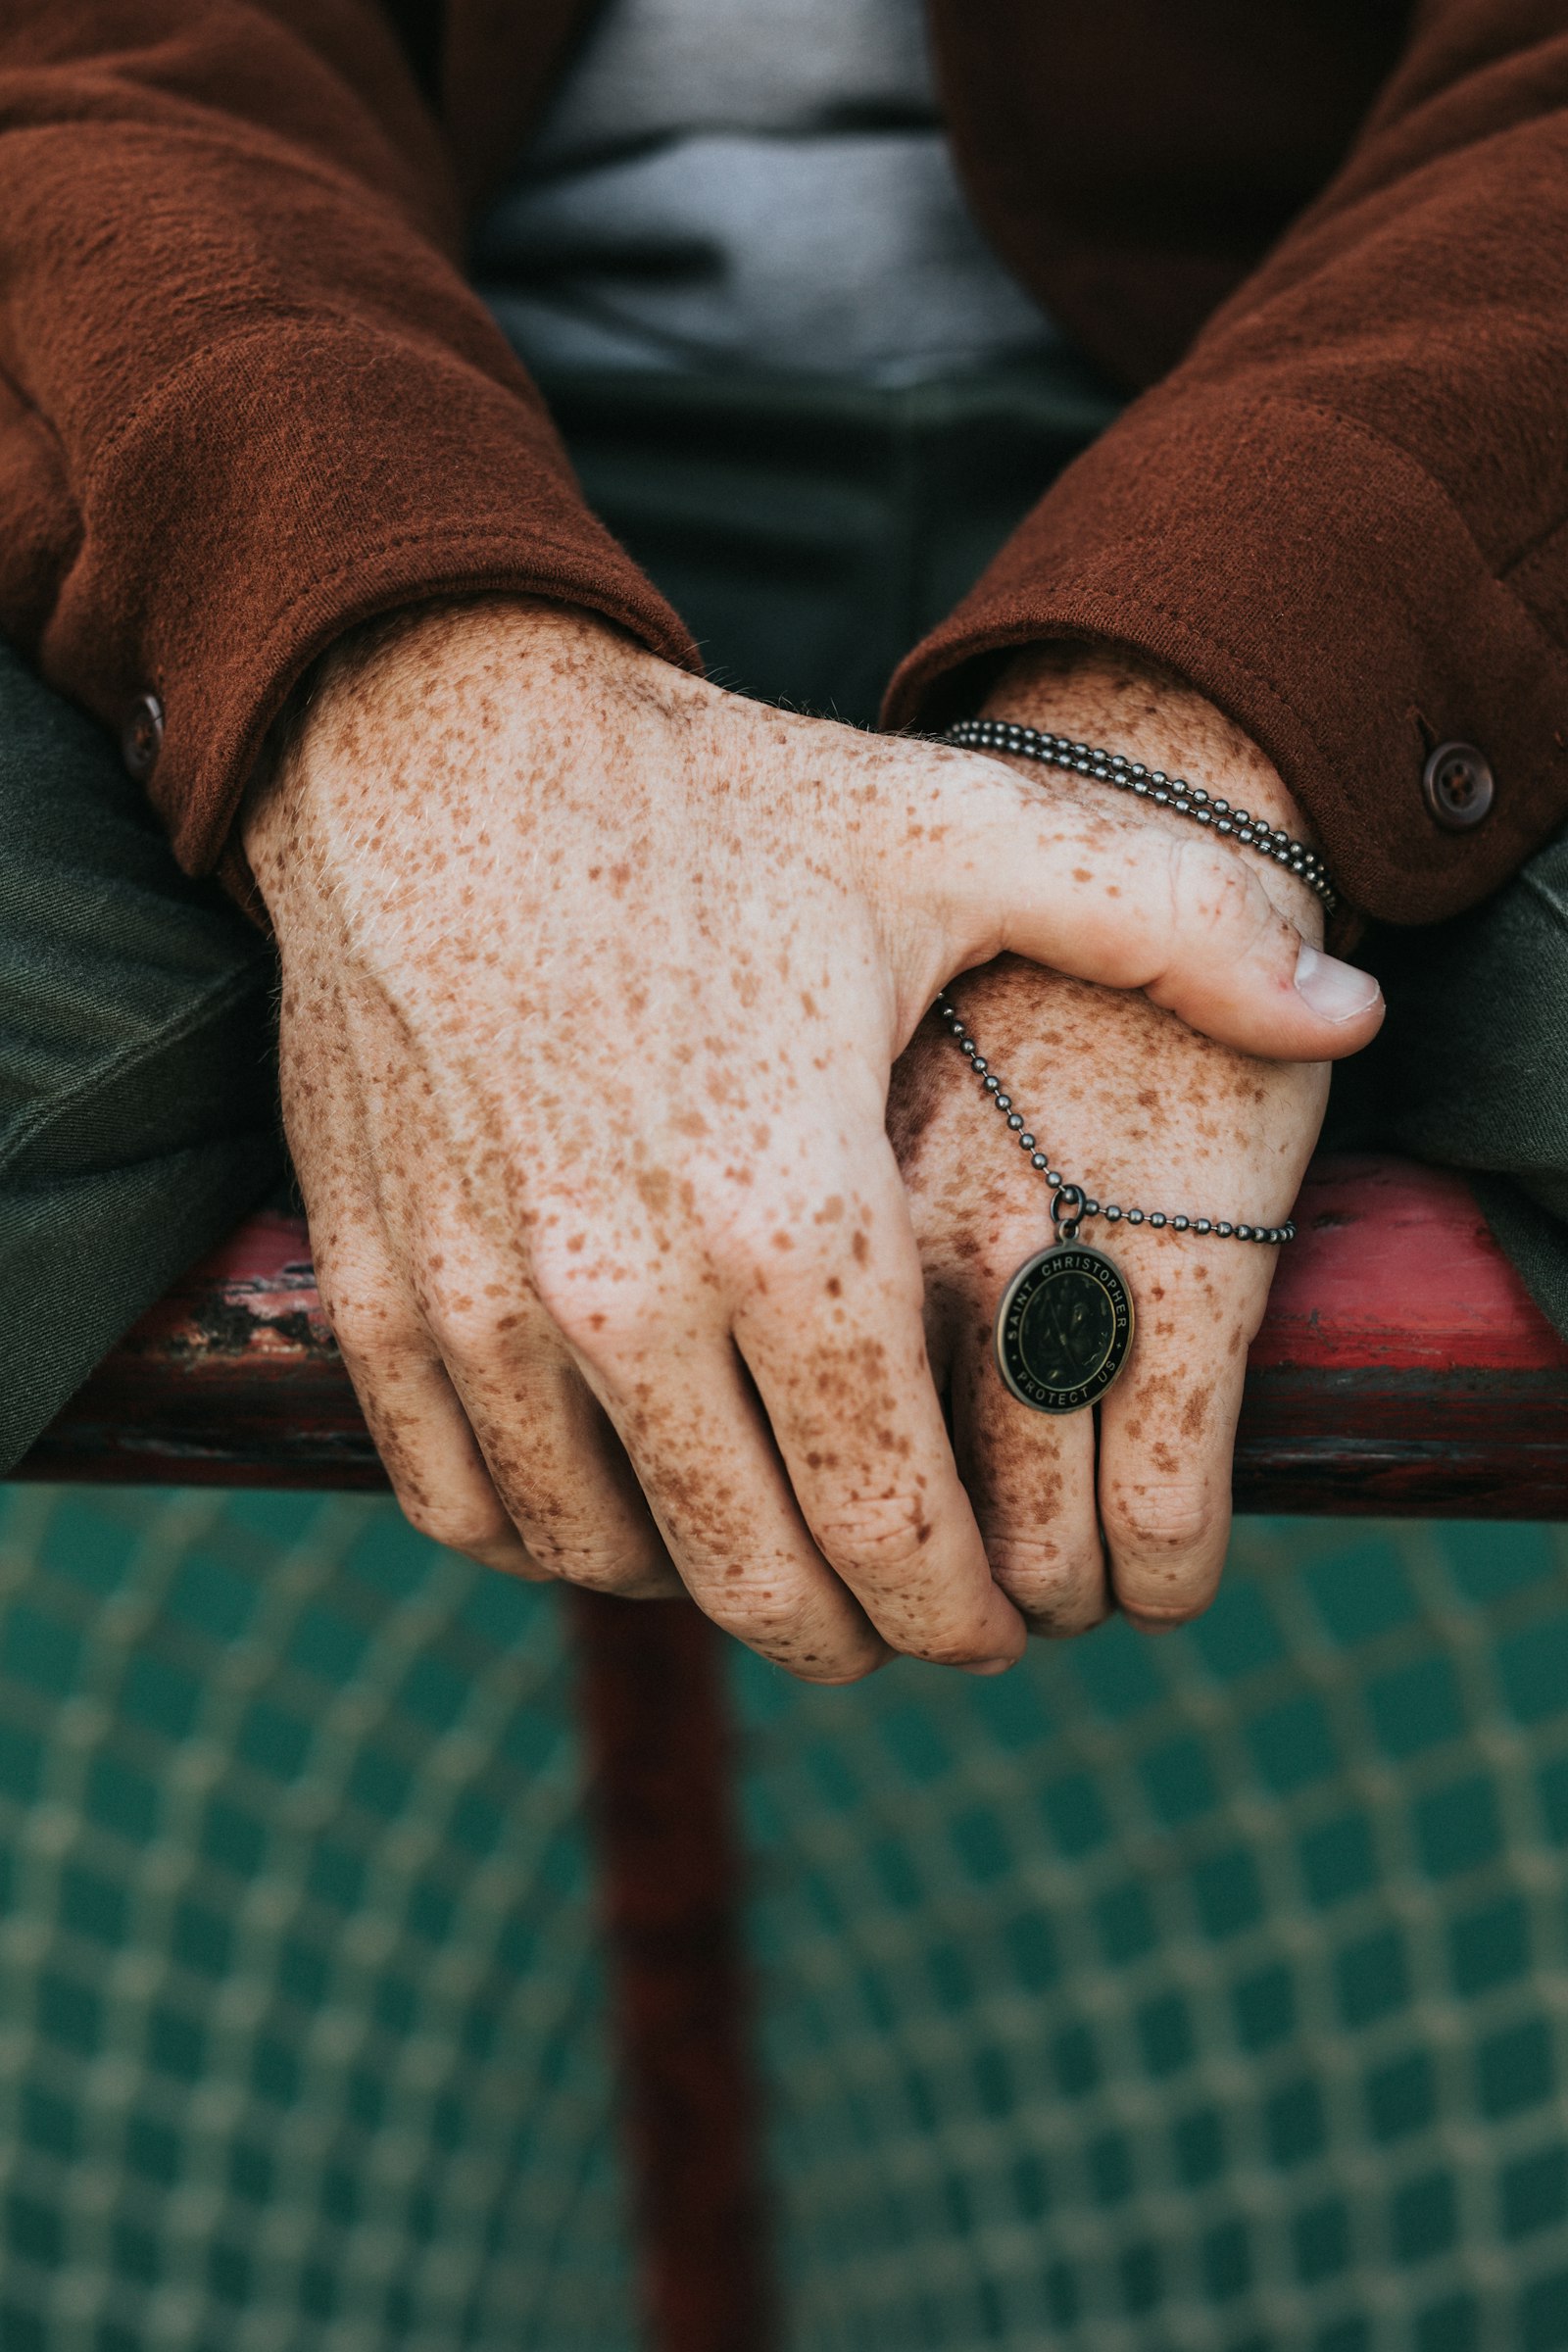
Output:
(245, 398)
(1344, 516)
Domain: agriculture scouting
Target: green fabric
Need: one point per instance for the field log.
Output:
(136, 1120)
(1200, 1994)
(810, 534)
(302, 2044)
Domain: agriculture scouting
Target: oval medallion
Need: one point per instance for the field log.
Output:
(1063, 1328)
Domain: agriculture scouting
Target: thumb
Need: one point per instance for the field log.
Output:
(1106, 894)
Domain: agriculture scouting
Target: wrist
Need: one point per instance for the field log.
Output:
(1106, 697)
(409, 696)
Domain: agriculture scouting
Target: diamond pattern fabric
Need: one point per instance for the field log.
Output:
(301, 2032)
(1198, 1995)
(1195, 1995)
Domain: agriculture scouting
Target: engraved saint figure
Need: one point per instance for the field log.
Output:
(1068, 1328)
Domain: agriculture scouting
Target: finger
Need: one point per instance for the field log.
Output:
(542, 1444)
(425, 1439)
(1030, 1476)
(706, 1462)
(1168, 1426)
(425, 1444)
(554, 1460)
(1098, 890)
(660, 1360)
(833, 1334)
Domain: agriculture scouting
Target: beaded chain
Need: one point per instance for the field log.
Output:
(1149, 783)
(1081, 1206)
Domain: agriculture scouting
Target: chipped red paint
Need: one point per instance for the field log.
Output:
(1396, 1270)
(256, 1296)
(1402, 1367)
(231, 1379)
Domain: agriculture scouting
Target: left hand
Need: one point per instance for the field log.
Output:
(1138, 1110)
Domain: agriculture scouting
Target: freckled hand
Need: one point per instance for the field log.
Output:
(1127, 1506)
(507, 858)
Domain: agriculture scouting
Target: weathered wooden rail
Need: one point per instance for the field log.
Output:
(1402, 1369)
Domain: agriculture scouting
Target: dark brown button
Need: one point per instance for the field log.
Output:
(141, 738)
(1459, 786)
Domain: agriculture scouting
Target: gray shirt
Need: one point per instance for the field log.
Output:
(750, 183)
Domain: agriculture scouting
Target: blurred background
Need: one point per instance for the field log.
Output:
(1195, 1996)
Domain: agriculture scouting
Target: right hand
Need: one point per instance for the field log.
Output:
(593, 976)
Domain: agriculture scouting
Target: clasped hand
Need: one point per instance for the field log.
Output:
(594, 979)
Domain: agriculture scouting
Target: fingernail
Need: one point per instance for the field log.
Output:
(1335, 991)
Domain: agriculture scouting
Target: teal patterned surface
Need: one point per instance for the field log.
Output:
(301, 2022)
(1200, 1996)
(1204, 1994)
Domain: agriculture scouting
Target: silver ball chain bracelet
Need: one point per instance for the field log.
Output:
(1064, 1327)
(1151, 784)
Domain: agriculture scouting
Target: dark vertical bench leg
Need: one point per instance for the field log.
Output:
(655, 1719)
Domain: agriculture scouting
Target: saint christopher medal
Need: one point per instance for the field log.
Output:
(1064, 1328)
(1065, 1323)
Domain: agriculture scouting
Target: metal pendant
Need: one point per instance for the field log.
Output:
(1064, 1328)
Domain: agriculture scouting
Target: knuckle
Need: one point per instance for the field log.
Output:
(1162, 1520)
(559, 1275)
(364, 1292)
(369, 1323)
(781, 1625)
(778, 1612)
(601, 1567)
(592, 1314)
(463, 1324)
(1059, 1589)
(770, 1622)
(454, 1522)
(883, 1538)
(1218, 893)
(767, 1250)
(745, 1250)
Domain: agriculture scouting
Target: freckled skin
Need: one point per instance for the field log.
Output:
(593, 980)
(1145, 1112)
